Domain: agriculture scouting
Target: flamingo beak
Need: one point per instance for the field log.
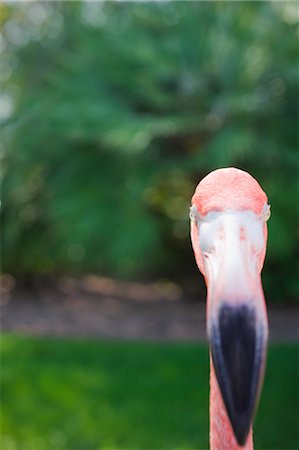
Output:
(238, 344)
(237, 329)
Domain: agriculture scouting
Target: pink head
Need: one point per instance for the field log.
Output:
(229, 234)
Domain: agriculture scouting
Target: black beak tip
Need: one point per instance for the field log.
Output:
(241, 430)
(237, 353)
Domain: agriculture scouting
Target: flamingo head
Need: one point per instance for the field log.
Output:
(229, 233)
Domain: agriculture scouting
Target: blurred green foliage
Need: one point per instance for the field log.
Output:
(107, 395)
(119, 109)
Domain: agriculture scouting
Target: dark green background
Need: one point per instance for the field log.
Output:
(119, 109)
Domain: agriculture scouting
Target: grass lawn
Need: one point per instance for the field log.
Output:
(86, 394)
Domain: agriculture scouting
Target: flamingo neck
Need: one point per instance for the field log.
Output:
(221, 433)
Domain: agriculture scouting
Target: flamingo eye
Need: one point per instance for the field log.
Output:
(193, 214)
(266, 212)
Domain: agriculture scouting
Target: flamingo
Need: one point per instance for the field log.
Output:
(229, 234)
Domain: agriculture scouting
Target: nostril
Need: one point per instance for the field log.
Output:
(242, 234)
